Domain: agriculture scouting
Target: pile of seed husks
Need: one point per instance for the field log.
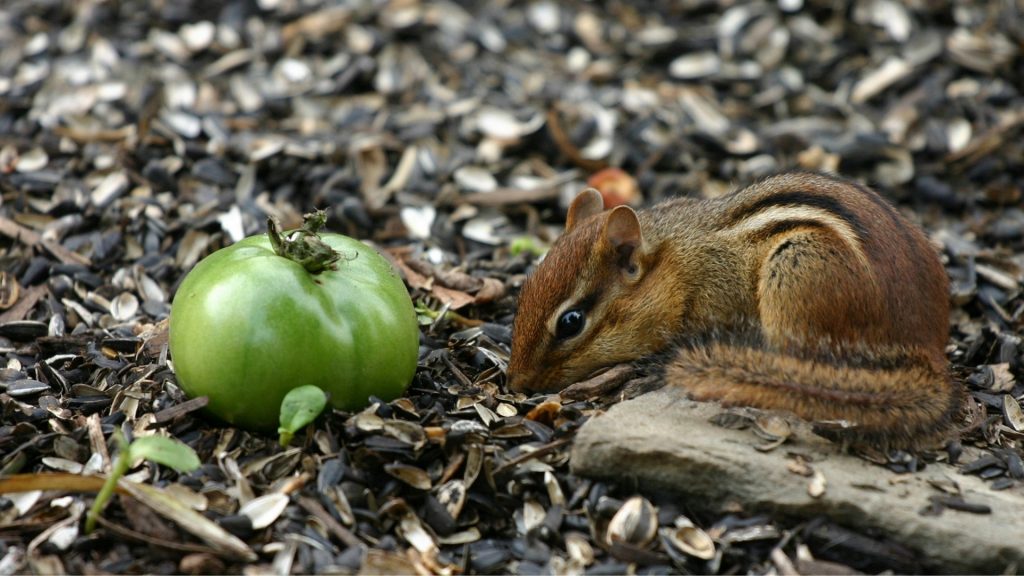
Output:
(137, 137)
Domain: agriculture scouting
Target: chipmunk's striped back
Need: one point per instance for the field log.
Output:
(899, 286)
(774, 216)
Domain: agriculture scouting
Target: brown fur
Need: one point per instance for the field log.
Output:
(895, 399)
(820, 266)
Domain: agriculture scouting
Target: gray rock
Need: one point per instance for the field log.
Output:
(663, 441)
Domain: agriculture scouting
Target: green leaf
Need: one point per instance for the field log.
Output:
(166, 451)
(424, 315)
(300, 407)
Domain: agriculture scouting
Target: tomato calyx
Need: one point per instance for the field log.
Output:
(304, 245)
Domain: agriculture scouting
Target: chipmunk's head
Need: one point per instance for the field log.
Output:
(577, 310)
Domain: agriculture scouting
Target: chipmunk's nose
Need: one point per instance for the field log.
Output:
(519, 373)
(518, 380)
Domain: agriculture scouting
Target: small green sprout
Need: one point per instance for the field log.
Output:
(526, 244)
(424, 315)
(167, 451)
(300, 407)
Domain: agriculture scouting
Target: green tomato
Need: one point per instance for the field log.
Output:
(248, 325)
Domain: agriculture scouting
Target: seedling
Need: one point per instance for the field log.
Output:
(526, 244)
(300, 407)
(167, 451)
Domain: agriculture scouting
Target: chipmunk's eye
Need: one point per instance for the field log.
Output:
(570, 323)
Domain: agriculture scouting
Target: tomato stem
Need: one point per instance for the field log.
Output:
(304, 245)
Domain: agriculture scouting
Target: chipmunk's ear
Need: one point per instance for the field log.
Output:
(623, 234)
(585, 205)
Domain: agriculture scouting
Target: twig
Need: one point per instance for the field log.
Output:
(542, 451)
(139, 536)
(28, 237)
(343, 534)
(168, 414)
(28, 300)
(601, 384)
(566, 146)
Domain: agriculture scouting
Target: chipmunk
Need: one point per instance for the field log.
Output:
(801, 292)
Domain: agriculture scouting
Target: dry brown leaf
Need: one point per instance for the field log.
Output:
(413, 278)
(454, 298)
(491, 290)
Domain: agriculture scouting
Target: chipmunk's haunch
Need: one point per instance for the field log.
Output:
(801, 292)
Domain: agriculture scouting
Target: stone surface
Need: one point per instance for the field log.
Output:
(667, 442)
